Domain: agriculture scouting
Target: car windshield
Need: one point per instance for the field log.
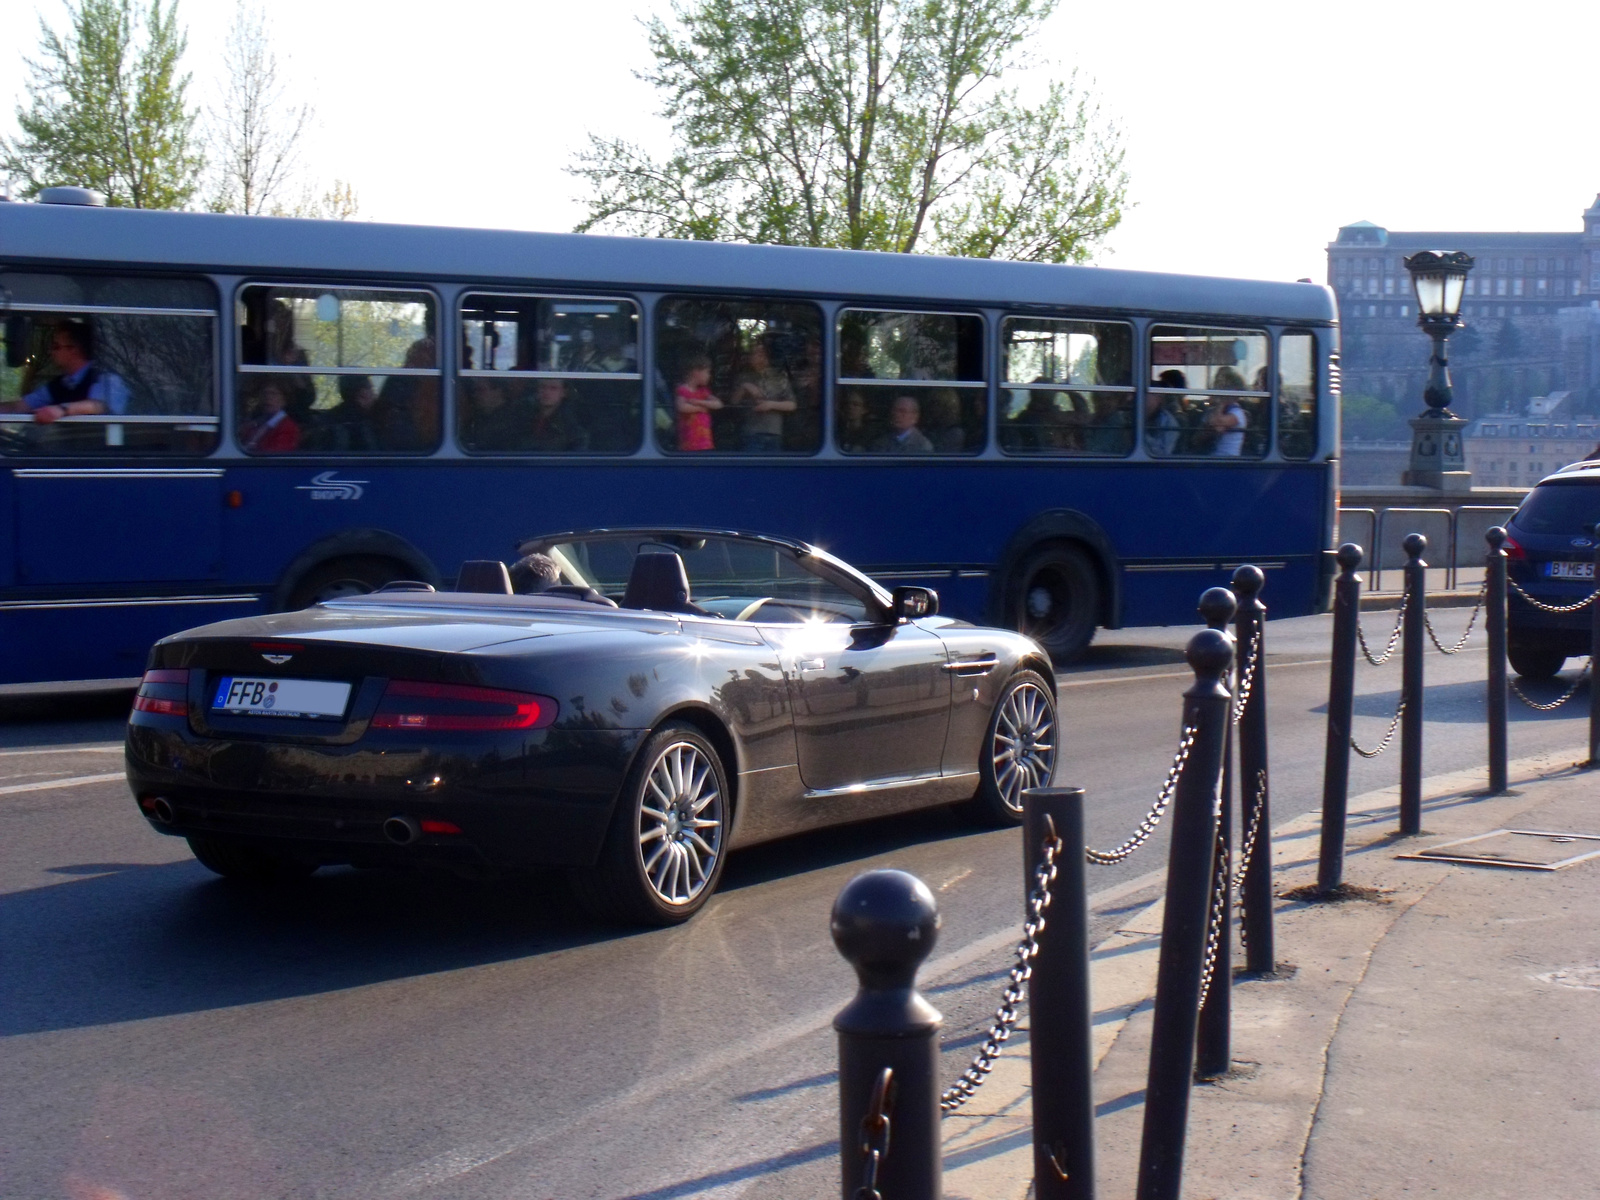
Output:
(1561, 507)
(743, 580)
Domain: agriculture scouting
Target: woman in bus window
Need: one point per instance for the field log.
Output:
(1227, 419)
(271, 430)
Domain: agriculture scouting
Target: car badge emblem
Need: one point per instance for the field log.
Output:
(277, 660)
(1582, 543)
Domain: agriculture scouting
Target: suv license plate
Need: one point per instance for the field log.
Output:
(1572, 570)
(280, 697)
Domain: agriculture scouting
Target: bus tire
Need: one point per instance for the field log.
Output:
(353, 576)
(1054, 597)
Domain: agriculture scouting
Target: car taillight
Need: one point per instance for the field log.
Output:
(453, 706)
(1514, 549)
(164, 691)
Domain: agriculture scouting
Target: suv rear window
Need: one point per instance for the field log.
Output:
(1565, 507)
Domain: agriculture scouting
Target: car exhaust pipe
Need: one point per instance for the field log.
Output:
(161, 809)
(402, 831)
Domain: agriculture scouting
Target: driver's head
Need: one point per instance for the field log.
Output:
(534, 573)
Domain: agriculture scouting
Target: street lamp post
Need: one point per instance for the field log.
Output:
(1438, 459)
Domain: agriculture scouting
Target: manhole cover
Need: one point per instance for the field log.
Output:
(1529, 849)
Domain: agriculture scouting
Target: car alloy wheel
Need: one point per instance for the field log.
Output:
(1022, 747)
(680, 823)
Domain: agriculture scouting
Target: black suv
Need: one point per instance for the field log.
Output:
(1551, 549)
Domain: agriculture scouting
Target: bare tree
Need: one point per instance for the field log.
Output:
(256, 131)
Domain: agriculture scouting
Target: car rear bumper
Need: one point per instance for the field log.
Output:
(519, 801)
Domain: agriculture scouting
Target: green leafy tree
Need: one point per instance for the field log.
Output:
(1369, 419)
(108, 108)
(865, 124)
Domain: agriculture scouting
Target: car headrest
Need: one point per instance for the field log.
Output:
(484, 575)
(658, 582)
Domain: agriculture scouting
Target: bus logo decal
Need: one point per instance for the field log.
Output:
(327, 486)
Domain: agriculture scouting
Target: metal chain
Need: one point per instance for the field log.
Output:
(1219, 913)
(1471, 621)
(1394, 639)
(1005, 1017)
(1571, 691)
(1554, 608)
(875, 1136)
(1103, 858)
(1387, 738)
(1247, 852)
(1247, 677)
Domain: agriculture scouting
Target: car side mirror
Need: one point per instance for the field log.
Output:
(909, 603)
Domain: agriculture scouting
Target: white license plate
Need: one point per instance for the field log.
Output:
(280, 697)
(1572, 570)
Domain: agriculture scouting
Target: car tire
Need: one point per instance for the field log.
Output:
(248, 864)
(1019, 751)
(344, 577)
(1053, 596)
(1533, 663)
(656, 868)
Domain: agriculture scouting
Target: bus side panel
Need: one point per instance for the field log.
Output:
(8, 529)
(82, 641)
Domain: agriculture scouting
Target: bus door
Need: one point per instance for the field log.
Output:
(117, 526)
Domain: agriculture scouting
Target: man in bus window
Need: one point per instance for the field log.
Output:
(82, 388)
(904, 437)
(1160, 425)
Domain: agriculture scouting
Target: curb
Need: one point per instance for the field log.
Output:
(1389, 601)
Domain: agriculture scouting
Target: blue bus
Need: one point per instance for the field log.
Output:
(206, 416)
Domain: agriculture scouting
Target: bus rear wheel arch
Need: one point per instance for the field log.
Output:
(1053, 595)
(353, 576)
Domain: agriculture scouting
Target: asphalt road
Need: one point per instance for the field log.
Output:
(167, 1036)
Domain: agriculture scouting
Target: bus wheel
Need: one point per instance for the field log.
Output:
(344, 577)
(1054, 598)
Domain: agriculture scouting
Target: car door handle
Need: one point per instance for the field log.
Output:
(973, 666)
(811, 664)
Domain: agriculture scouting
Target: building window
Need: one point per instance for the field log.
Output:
(1372, 286)
(1561, 287)
(1372, 310)
(1388, 286)
(1542, 287)
(1500, 287)
(1405, 310)
(1516, 287)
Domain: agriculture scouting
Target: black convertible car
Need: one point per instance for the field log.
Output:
(670, 695)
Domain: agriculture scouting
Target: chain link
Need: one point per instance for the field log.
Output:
(1251, 833)
(1005, 1017)
(1247, 677)
(1471, 621)
(1554, 608)
(1570, 693)
(1217, 921)
(1394, 639)
(875, 1135)
(1387, 738)
(1169, 788)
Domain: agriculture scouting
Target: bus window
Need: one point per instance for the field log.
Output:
(739, 375)
(905, 383)
(96, 365)
(348, 370)
(1208, 392)
(1068, 387)
(548, 375)
(1297, 395)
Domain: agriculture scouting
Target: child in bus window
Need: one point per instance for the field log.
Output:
(695, 404)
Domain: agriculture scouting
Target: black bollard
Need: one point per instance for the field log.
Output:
(885, 923)
(1494, 607)
(1213, 1049)
(1341, 714)
(1183, 925)
(1255, 893)
(1059, 1010)
(1594, 662)
(1411, 648)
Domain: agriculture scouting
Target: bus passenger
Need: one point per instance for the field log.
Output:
(1227, 419)
(695, 404)
(492, 422)
(1160, 425)
(765, 395)
(82, 388)
(413, 402)
(352, 423)
(555, 427)
(271, 430)
(852, 432)
(904, 437)
(945, 431)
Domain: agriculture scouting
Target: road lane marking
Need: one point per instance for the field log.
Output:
(75, 781)
(102, 748)
(1271, 666)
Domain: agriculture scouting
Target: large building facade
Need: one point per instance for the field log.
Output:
(1532, 312)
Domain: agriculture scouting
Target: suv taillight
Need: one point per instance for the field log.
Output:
(451, 706)
(164, 691)
(1514, 549)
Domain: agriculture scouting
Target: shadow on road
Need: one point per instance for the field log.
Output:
(1464, 703)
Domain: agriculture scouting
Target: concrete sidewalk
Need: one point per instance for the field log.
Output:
(1434, 1037)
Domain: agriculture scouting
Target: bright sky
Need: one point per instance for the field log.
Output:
(1253, 130)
